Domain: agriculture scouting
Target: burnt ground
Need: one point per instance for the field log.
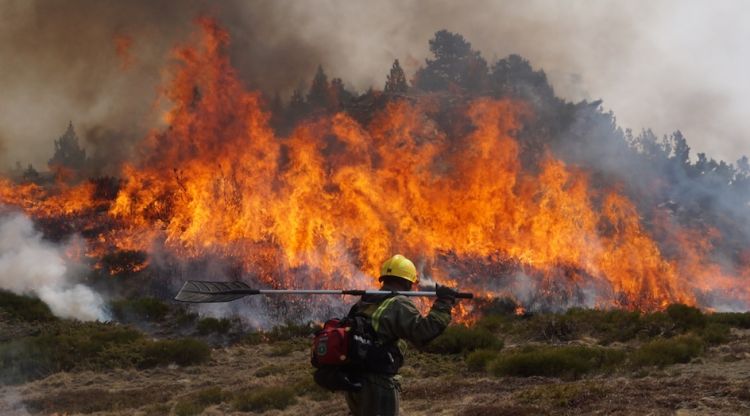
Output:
(716, 383)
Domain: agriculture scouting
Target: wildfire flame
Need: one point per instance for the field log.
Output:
(335, 198)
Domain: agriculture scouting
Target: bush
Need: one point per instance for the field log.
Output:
(291, 330)
(715, 333)
(209, 325)
(555, 361)
(261, 399)
(282, 349)
(459, 339)
(183, 352)
(67, 347)
(25, 308)
(148, 309)
(686, 317)
(662, 352)
(733, 319)
(478, 360)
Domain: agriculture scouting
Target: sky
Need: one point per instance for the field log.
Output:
(661, 64)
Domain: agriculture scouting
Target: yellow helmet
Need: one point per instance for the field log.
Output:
(399, 266)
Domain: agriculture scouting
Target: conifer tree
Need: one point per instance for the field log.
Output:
(396, 81)
(68, 153)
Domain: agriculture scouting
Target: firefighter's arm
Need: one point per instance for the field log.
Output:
(402, 320)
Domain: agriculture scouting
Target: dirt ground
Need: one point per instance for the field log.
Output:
(716, 384)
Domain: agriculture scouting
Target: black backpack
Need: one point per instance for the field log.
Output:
(346, 348)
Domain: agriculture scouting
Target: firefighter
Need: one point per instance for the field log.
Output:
(395, 319)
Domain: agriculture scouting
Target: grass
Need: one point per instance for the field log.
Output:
(459, 339)
(568, 361)
(25, 308)
(197, 402)
(563, 395)
(261, 399)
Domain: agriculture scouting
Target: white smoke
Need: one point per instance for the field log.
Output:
(31, 266)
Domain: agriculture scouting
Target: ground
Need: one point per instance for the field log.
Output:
(716, 383)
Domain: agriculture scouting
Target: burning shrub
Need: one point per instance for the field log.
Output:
(25, 308)
(143, 309)
(460, 339)
(210, 325)
(663, 352)
(569, 361)
(261, 399)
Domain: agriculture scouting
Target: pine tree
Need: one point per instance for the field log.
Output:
(319, 95)
(68, 153)
(396, 81)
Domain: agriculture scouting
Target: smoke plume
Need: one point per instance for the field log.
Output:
(29, 265)
(60, 58)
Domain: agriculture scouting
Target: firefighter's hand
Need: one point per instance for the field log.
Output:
(446, 293)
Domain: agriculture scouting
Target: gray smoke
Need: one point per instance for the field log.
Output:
(660, 64)
(32, 266)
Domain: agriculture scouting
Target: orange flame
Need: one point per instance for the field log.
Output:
(337, 197)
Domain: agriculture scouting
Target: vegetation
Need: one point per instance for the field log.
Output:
(72, 346)
(567, 361)
(461, 339)
(261, 399)
(25, 308)
(662, 352)
(211, 325)
(142, 309)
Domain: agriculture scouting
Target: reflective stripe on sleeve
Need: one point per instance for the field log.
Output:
(376, 316)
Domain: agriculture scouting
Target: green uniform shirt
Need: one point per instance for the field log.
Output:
(396, 318)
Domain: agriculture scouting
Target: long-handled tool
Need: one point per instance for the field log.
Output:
(206, 292)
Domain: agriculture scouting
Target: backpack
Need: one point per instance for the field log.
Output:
(346, 348)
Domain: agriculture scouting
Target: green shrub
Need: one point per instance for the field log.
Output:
(73, 346)
(733, 319)
(495, 323)
(686, 317)
(715, 333)
(183, 352)
(477, 360)
(252, 338)
(459, 339)
(662, 352)
(291, 330)
(63, 348)
(25, 308)
(149, 309)
(261, 399)
(209, 325)
(555, 361)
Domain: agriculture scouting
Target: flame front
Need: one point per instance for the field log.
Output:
(335, 198)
